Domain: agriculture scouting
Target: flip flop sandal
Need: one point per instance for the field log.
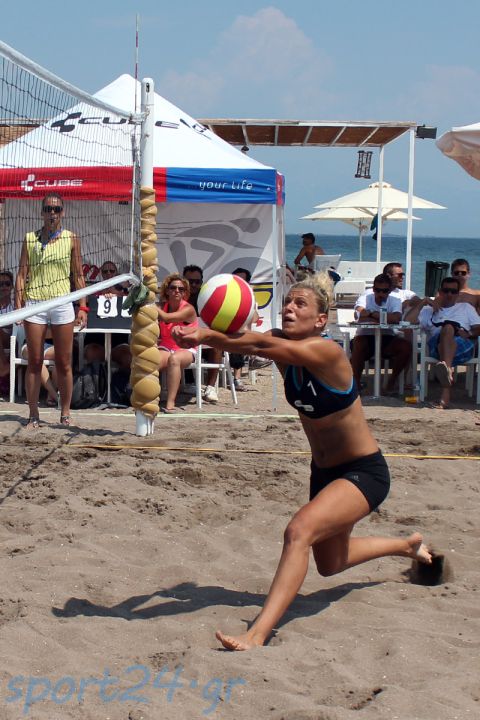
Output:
(443, 374)
(440, 405)
(33, 423)
(65, 420)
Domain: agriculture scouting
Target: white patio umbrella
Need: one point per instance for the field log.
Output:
(391, 199)
(462, 144)
(359, 218)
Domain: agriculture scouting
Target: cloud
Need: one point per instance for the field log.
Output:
(263, 65)
(447, 95)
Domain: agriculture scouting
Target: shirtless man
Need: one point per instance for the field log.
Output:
(308, 251)
(460, 270)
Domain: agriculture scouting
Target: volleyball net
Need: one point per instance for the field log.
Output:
(69, 177)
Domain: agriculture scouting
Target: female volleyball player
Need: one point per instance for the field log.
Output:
(49, 257)
(349, 476)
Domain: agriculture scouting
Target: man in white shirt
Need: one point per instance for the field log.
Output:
(452, 329)
(396, 274)
(367, 311)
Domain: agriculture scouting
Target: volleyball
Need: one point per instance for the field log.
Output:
(226, 303)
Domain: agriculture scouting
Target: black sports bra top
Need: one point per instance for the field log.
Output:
(311, 397)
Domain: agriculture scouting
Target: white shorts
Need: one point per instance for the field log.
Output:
(192, 350)
(61, 315)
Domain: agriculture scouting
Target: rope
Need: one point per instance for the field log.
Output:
(253, 451)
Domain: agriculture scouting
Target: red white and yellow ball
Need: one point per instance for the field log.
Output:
(226, 303)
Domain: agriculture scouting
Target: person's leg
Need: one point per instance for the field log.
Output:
(35, 338)
(399, 351)
(342, 552)
(47, 382)
(334, 510)
(213, 356)
(62, 342)
(177, 361)
(324, 523)
(4, 345)
(361, 352)
(237, 362)
(447, 345)
(446, 352)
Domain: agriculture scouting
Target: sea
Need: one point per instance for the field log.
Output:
(394, 248)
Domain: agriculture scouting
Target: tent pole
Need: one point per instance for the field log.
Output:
(411, 168)
(380, 206)
(277, 228)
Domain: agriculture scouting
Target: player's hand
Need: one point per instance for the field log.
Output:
(81, 319)
(187, 337)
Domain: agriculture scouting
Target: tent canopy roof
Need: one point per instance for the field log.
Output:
(279, 133)
(307, 133)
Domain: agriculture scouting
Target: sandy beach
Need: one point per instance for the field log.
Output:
(117, 565)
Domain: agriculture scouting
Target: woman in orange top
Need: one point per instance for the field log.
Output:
(175, 310)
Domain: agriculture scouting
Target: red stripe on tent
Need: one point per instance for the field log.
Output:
(160, 184)
(213, 305)
(243, 310)
(77, 183)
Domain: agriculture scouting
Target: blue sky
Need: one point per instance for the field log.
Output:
(308, 59)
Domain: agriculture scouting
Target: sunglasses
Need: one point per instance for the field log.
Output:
(194, 282)
(178, 288)
(108, 271)
(449, 291)
(383, 291)
(460, 272)
(398, 275)
(57, 209)
(5, 283)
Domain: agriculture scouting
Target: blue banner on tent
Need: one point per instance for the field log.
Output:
(220, 185)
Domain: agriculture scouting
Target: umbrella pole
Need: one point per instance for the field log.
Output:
(360, 241)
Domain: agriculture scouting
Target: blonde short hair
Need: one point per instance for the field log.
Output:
(169, 279)
(322, 287)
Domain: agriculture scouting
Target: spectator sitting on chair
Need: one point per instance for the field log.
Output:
(452, 328)
(121, 354)
(308, 251)
(194, 275)
(460, 270)
(396, 274)
(174, 310)
(367, 310)
(108, 270)
(6, 306)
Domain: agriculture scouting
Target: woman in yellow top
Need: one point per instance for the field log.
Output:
(50, 256)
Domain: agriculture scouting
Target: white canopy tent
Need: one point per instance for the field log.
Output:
(462, 144)
(218, 208)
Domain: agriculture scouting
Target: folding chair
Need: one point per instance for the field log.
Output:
(199, 365)
(17, 340)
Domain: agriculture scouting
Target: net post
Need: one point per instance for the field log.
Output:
(145, 331)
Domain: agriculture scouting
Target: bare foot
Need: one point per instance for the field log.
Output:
(241, 642)
(417, 549)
